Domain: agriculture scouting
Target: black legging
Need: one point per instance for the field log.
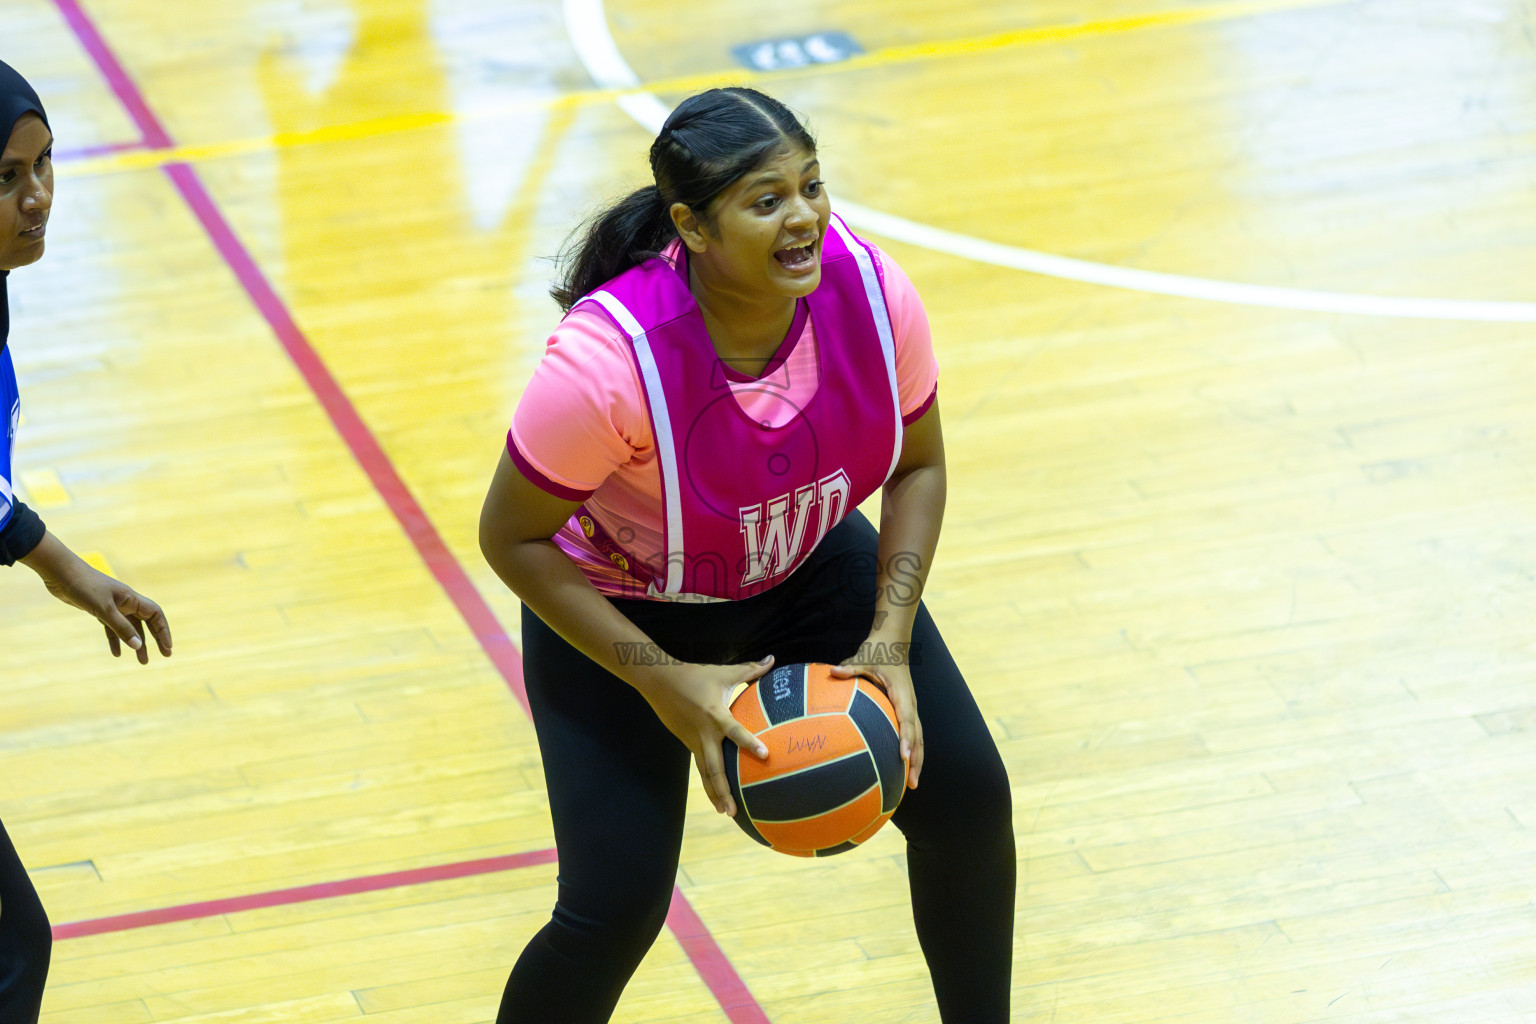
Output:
(25, 940)
(618, 787)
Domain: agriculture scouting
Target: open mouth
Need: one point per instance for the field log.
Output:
(799, 257)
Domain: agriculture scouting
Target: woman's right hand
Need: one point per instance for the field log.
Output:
(694, 702)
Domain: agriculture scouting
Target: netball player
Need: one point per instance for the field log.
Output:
(734, 374)
(26, 196)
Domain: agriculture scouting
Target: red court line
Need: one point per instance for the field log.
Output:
(301, 894)
(707, 957)
(711, 963)
(354, 432)
(365, 447)
(117, 79)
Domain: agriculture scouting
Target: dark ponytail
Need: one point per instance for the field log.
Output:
(625, 235)
(708, 142)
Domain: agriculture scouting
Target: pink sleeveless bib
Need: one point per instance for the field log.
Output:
(746, 503)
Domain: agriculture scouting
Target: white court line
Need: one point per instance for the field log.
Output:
(587, 24)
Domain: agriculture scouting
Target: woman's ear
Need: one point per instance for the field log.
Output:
(688, 227)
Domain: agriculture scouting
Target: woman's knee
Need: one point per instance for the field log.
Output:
(24, 972)
(26, 946)
(620, 923)
(986, 806)
(963, 801)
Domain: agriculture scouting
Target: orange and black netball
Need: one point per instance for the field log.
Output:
(834, 772)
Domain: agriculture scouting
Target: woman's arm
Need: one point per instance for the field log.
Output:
(911, 513)
(517, 523)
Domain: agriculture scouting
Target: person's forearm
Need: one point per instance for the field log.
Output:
(51, 559)
(911, 513)
(549, 583)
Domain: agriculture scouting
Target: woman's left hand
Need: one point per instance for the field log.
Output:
(896, 680)
(122, 611)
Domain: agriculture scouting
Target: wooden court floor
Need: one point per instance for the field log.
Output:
(1235, 304)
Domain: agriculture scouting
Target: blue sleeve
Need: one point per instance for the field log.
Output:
(20, 528)
(10, 408)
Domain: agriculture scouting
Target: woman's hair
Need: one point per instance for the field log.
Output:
(709, 141)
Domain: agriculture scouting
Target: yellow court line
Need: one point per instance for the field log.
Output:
(886, 57)
(147, 158)
(1081, 30)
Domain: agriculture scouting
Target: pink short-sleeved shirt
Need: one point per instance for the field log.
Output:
(582, 430)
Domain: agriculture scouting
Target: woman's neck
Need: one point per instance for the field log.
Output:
(745, 330)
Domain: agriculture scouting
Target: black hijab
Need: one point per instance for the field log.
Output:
(16, 98)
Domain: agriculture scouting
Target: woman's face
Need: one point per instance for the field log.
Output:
(766, 229)
(26, 192)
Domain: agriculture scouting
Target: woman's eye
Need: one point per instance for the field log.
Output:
(44, 159)
(768, 202)
(7, 178)
(814, 188)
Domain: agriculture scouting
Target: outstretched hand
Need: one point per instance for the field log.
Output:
(121, 610)
(693, 701)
